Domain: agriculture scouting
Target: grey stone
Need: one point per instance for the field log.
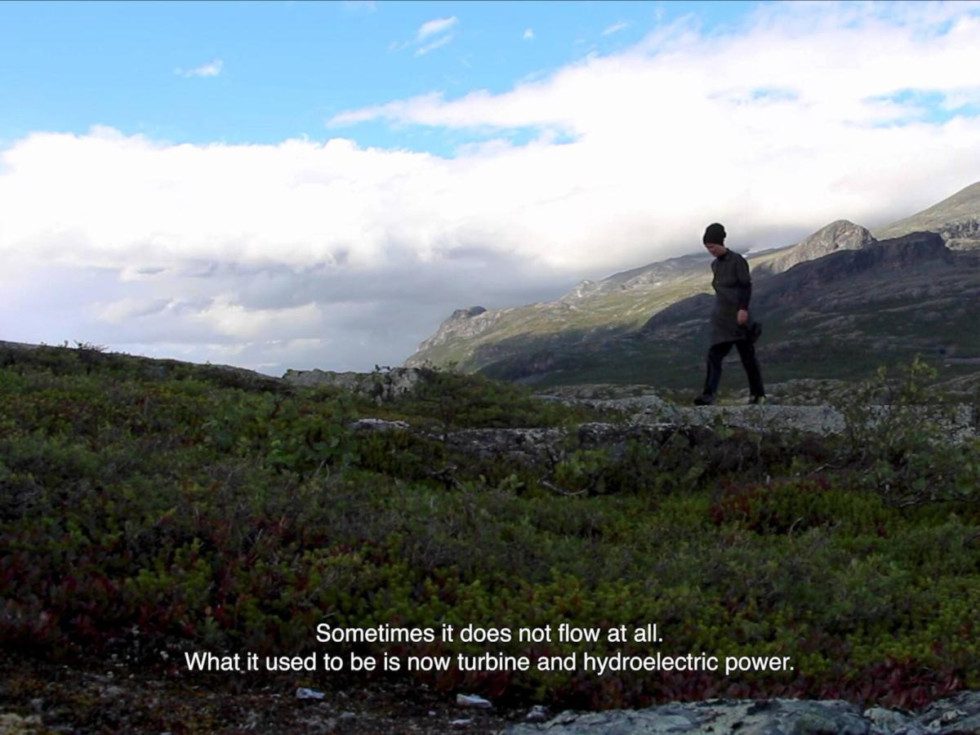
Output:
(473, 700)
(955, 715)
(950, 423)
(634, 404)
(530, 446)
(887, 721)
(305, 693)
(775, 717)
(382, 385)
(372, 424)
(820, 420)
(537, 713)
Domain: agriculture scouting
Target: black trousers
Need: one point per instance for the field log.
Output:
(746, 351)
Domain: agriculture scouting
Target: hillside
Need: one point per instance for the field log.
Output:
(956, 219)
(154, 511)
(646, 325)
(475, 338)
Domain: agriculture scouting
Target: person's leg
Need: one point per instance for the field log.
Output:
(713, 377)
(746, 351)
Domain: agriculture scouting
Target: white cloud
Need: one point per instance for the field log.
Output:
(328, 254)
(430, 36)
(528, 34)
(615, 28)
(210, 69)
(438, 43)
(435, 27)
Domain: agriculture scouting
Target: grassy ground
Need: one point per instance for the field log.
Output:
(146, 512)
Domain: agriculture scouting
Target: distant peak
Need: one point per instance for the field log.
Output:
(840, 234)
(467, 313)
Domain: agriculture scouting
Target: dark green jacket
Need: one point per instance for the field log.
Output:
(733, 291)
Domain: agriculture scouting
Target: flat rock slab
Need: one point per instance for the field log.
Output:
(957, 715)
(822, 420)
(955, 423)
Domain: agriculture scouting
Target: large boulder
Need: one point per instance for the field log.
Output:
(381, 385)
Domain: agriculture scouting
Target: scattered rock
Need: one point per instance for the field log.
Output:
(460, 724)
(371, 424)
(629, 399)
(888, 721)
(304, 693)
(955, 715)
(473, 700)
(777, 717)
(696, 425)
(529, 446)
(820, 420)
(537, 713)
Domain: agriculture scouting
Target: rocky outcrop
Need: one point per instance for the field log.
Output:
(955, 423)
(957, 715)
(839, 235)
(381, 385)
(956, 219)
(661, 421)
(962, 235)
(887, 266)
(526, 446)
(463, 324)
(626, 404)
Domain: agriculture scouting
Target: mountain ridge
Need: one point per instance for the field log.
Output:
(532, 342)
(956, 219)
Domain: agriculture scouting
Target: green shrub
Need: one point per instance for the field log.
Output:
(898, 437)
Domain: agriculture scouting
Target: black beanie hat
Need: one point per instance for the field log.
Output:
(715, 233)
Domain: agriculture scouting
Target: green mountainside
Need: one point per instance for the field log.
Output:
(957, 219)
(833, 305)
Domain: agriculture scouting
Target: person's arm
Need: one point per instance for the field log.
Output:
(744, 290)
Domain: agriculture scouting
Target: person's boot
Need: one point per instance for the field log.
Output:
(757, 400)
(704, 400)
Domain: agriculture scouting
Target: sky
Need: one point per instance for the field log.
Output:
(318, 185)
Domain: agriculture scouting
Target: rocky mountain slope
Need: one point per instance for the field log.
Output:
(839, 235)
(835, 304)
(956, 219)
(476, 337)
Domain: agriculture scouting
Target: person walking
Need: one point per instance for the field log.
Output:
(730, 320)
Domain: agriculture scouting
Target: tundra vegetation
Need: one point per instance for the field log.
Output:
(149, 508)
